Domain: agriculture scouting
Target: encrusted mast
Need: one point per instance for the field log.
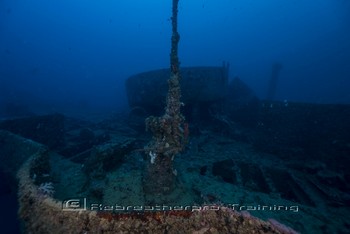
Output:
(169, 130)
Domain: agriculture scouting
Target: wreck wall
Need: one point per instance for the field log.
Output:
(198, 85)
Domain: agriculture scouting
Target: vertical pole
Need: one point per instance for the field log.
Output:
(169, 130)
